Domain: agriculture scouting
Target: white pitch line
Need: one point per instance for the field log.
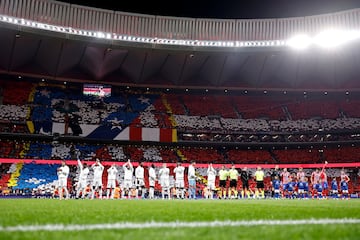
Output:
(178, 224)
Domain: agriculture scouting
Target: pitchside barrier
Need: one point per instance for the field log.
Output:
(200, 165)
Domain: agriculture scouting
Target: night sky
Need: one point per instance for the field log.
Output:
(224, 8)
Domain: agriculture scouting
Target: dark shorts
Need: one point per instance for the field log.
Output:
(233, 183)
(245, 185)
(259, 184)
(222, 183)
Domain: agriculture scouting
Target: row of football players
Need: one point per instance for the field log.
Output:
(292, 185)
(127, 183)
(284, 184)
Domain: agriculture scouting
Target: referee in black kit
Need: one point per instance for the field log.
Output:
(245, 176)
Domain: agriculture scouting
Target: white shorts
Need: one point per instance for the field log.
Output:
(97, 182)
(211, 185)
(179, 183)
(128, 183)
(140, 182)
(334, 191)
(62, 182)
(301, 190)
(165, 183)
(345, 191)
(111, 183)
(151, 182)
(82, 184)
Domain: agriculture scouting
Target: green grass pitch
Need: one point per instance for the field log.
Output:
(16, 212)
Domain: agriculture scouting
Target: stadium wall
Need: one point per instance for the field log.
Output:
(109, 163)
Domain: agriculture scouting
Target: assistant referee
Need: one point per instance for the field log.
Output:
(259, 178)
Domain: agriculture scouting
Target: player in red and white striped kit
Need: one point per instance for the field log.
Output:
(286, 179)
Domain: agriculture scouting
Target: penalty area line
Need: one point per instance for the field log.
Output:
(176, 224)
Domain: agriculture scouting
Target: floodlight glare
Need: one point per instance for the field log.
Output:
(335, 38)
(299, 42)
(100, 35)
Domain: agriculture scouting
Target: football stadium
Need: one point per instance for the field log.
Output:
(125, 125)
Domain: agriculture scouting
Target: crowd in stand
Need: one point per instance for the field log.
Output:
(21, 149)
(227, 114)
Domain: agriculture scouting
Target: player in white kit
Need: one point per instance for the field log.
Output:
(152, 179)
(63, 173)
(98, 169)
(128, 176)
(164, 176)
(111, 181)
(192, 180)
(211, 173)
(140, 181)
(82, 182)
(179, 181)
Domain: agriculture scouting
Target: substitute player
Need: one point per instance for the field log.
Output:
(111, 181)
(128, 179)
(140, 180)
(63, 173)
(223, 176)
(82, 182)
(211, 177)
(152, 179)
(98, 169)
(179, 181)
(233, 175)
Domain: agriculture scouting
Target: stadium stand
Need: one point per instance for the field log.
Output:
(241, 99)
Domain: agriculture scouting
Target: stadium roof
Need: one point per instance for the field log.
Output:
(235, 9)
(45, 54)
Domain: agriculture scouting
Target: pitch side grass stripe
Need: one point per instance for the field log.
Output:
(132, 225)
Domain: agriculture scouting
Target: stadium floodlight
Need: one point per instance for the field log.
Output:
(299, 42)
(100, 35)
(334, 38)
